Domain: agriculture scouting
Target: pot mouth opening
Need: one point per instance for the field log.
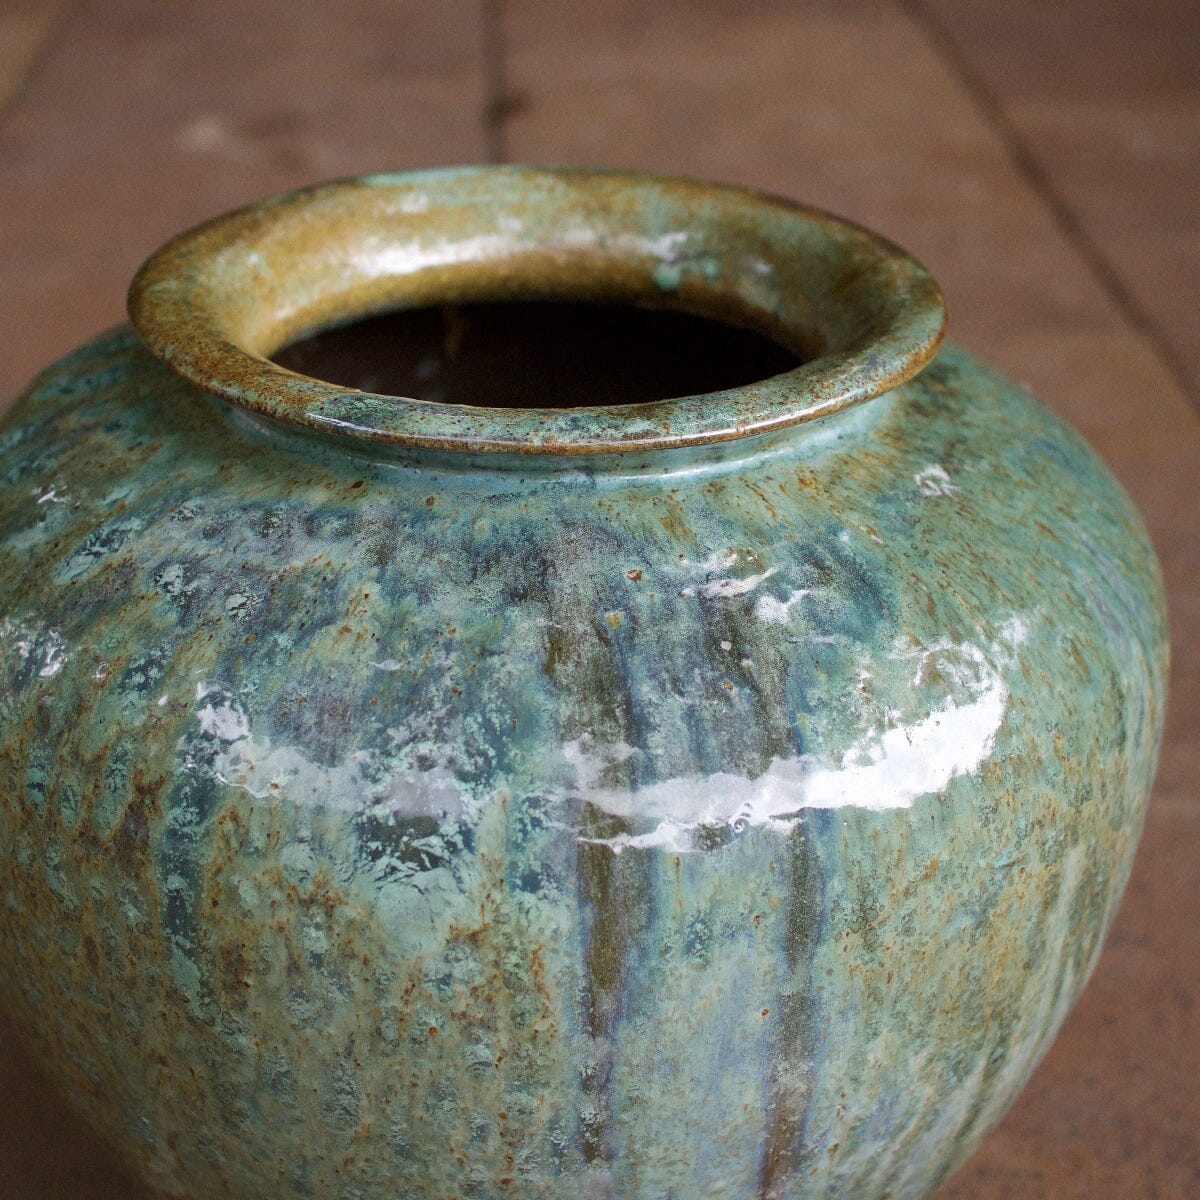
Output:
(537, 354)
(687, 270)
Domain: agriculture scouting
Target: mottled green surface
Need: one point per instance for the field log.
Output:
(731, 822)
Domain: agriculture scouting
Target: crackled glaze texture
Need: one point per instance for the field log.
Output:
(734, 820)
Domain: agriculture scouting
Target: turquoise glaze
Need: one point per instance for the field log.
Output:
(724, 798)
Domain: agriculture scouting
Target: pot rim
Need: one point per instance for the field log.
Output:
(214, 303)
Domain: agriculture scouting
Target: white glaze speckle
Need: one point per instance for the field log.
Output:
(45, 646)
(934, 480)
(724, 586)
(775, 611)
(235, 756)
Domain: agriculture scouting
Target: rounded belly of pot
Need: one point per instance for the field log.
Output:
(851, 1002)
(747, 831)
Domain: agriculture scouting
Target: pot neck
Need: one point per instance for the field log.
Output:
(216, 302)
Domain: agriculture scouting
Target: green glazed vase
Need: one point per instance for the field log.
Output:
(718, 797)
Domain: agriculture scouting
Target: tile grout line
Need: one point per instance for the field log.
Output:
(495, 133)
(991, 107)
(37, 59)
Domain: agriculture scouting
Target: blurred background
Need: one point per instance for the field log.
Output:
(1042, 158)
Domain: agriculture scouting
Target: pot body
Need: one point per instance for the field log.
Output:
(728, 823)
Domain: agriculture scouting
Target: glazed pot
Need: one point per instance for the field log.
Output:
(723, 796)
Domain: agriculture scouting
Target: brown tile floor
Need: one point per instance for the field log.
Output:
(1043, 158)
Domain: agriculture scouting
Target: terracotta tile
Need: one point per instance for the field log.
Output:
(25, 28)
(1131, 173)
(1107, 97)
(1108, 51)
(45, 1152)
(148, 118)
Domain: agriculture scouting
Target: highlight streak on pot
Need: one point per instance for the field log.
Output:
(883, 769)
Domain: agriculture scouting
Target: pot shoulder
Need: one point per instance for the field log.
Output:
(946, 543)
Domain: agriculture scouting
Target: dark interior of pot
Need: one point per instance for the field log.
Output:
(537, 354)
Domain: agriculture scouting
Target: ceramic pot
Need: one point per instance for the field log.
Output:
(725, 796)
